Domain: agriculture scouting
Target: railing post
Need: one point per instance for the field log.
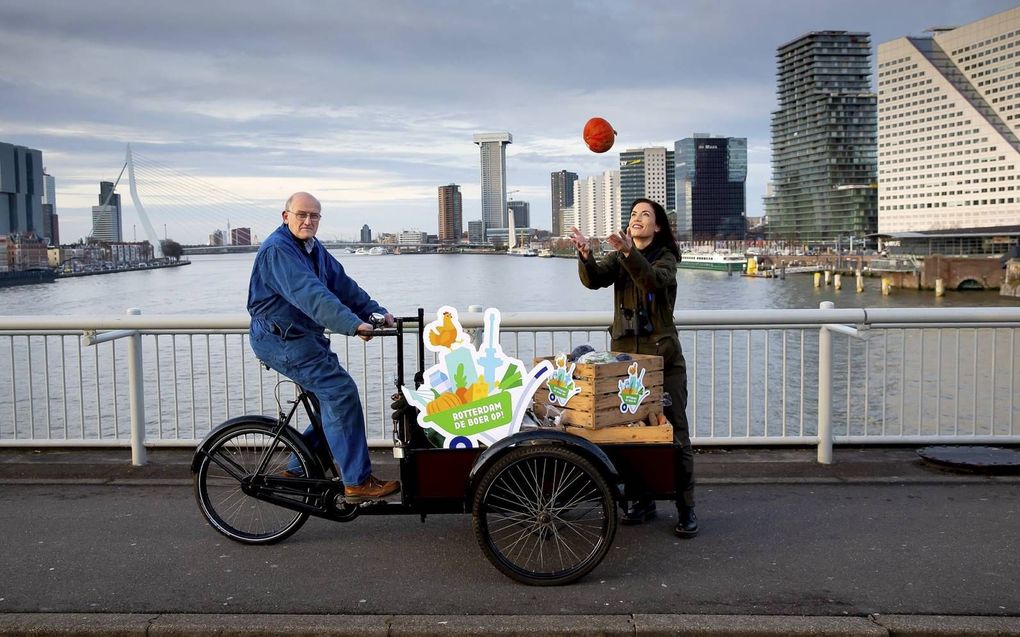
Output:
(479, 333)
(136, 392)
(825, 390)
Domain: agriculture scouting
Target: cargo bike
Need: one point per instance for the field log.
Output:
(544, 502)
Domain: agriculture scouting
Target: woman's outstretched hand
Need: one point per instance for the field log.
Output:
(621, 241)
(580, 242)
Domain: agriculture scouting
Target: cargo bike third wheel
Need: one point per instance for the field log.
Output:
(544, 515)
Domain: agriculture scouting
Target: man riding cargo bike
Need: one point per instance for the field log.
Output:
(544, 502)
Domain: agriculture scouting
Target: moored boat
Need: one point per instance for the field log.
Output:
(721, 260)
(522, 252)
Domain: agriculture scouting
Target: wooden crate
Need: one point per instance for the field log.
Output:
(598, 404)
(638, 432)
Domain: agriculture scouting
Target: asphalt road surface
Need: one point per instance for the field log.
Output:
(825, 548)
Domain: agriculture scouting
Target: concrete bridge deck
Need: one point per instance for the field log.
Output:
(876, 544)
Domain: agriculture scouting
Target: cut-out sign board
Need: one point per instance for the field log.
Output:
(472, 396)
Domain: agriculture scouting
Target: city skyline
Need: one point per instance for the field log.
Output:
(371, 111)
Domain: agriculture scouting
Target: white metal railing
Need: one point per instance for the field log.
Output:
(804, 377)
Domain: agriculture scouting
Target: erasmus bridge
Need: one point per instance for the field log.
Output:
(172, 204)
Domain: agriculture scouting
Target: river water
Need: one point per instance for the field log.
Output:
(742, 383)
(217, 284)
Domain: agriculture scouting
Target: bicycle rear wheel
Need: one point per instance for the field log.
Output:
(234, 455)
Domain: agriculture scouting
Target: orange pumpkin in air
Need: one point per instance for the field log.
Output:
(599, 135)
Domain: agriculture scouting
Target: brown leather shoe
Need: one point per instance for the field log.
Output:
(371, 489)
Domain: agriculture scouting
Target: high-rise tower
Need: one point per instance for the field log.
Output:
(562, 192)
(493, 155)
(106, 217)
(824, 164)
(451, 222)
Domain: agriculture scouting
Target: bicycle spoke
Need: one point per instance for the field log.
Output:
(232, 511)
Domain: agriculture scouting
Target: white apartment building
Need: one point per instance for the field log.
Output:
(656, 174)
(412, 237)
(611, 200)
(569, 218)
(596, 209)
(948, 116)
(106, 223)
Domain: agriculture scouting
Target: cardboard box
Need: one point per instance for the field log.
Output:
(598, 404)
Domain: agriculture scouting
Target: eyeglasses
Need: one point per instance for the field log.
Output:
(305, 216)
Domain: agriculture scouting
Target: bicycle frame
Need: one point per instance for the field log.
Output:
(280, 490)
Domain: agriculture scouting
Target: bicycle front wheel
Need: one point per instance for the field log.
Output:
(544, 515)
(234, 456)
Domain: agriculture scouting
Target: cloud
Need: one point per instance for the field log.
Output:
(374, 106)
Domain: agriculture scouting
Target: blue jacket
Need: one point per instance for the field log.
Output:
(292, 296)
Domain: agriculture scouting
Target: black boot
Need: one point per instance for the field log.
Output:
(687, 525)
(639, 512)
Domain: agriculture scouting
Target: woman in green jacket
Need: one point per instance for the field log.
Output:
(642, 271)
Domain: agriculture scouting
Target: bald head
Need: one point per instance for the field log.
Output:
(302, 215)
(301, 200)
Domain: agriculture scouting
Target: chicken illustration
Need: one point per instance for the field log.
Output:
(444, 335)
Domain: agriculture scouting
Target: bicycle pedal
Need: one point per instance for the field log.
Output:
(346, 501)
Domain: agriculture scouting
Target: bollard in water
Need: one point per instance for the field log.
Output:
(828, 276)
(837, 281)
(940, 289)
(860, 282)
(886, 286)
(818, 279)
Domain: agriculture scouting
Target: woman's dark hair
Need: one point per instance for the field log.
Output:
(663, 237)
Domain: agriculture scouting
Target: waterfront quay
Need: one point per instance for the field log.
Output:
(877, 543)
(124, 267)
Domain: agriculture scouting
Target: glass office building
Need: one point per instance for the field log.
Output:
(711, 173)
(21, 190)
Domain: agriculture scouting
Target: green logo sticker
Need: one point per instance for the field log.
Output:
(472, 396)
(561, 382)
(632, 389)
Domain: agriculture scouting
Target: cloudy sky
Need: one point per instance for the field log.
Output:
(372, 104)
